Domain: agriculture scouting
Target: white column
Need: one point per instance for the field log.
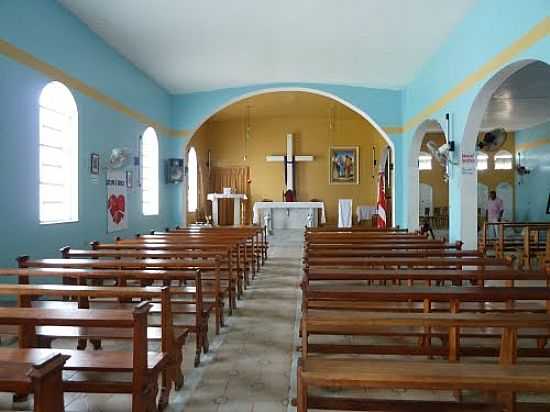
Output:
(215, 211)
(237, 211)
(289, 162)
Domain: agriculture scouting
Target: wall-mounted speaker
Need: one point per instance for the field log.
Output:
(174, 171)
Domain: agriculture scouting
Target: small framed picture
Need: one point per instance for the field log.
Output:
(129, 179)
(344, 165)
(94, 164)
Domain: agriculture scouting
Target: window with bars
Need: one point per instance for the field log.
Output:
(482, 161)
(504, 160)
(150, 172)
(58, 155)
(424, 161)
(192, 181)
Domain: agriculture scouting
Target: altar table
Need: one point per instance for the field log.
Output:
(288, 215)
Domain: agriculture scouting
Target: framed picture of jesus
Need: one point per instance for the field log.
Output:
(344, 165)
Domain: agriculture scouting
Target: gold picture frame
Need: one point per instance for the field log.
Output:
(343, 165)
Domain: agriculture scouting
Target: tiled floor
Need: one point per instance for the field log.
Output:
(252, 364)
(248, 367)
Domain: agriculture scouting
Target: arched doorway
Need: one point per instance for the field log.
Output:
(425, 170)
(328, 127)
(514, 106)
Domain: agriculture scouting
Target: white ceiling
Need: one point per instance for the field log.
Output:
(522, 101)
(209, 44)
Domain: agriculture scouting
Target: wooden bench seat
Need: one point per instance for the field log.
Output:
(430, 375)
(425, 326)
(40, 374)
(84, 271)
(143, 368)
(172, 337)
(385, 245)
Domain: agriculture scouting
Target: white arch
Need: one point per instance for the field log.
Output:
(312, 91)
(468, 198)
(413, 181)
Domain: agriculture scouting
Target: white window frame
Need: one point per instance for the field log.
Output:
(58, 155)
(482, 161)
(192, 180)
(424, 161)
(504, 160)
(149, 172)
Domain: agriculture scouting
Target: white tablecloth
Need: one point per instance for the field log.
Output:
(214, 196)
(345, 212)
(364, 213)
(258, 206)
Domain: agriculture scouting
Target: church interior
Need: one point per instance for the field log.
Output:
(285, 206)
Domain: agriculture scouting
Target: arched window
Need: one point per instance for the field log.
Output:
(192, 181)
(503, 160)
(58, 155)
(150, 172)
(482, 161)
(424, 161)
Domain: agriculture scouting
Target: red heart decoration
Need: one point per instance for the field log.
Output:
(117, 207)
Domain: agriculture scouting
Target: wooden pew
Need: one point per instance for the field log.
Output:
(535, 245)
(423, 327)
(252, 254)
(141, 366)
(172, 337)
(198, 310)
(413, 275)
(402, 262)
(341, 297)
(364, 374)
(259, 232)
(368, 253)
(229, 253)
(207, 262)
(42, 377)
(242, 250)
(429, 245)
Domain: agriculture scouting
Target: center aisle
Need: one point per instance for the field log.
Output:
(248, 369)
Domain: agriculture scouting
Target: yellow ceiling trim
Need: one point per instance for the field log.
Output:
(393, 129)
(534, 35)
(538, 32)
(532, 145)
(54, 73)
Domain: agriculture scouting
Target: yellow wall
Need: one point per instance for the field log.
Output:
(225, 139)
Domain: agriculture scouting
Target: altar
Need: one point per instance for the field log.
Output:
(237, 198)
(288, 215)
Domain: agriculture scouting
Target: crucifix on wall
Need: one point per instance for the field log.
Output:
(289, 161)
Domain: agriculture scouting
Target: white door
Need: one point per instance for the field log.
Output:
(505, 191)
(426, 199)
(482, 197)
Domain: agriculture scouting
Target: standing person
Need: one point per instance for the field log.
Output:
(495, 210)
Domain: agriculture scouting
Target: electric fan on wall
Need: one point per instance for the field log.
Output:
(492, 141)
(442, 154)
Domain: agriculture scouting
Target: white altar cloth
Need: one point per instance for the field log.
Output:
(237, 198)
(276, 210)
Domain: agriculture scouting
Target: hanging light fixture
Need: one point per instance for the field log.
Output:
(247, 130)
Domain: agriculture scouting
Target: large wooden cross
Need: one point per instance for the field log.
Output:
(289, 160)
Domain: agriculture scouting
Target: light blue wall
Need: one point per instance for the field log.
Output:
(491, 27)
(50, 33)
(532, 190)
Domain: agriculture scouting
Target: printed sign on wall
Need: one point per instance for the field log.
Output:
(117, 215)
(468, 163)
